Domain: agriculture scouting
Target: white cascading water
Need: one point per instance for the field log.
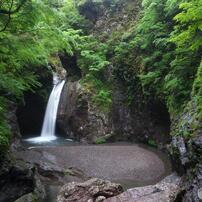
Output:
(48, 129)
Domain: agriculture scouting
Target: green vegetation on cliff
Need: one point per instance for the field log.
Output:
(171, 34)
(93, 63)
(156, 51)
(168, 39)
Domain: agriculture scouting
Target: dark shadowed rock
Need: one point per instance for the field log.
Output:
(186, 147)
(78, 117)
(165, 191)
(179, 144)
(91, 190)
(18, 180)
(13, 123)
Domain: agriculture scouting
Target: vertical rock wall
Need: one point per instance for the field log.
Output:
(80, 119)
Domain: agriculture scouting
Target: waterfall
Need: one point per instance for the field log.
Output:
(49, 123)
(48, 129)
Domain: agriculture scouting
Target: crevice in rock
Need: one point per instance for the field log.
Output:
(69, 63)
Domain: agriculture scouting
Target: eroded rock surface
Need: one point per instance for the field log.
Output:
(78, 118)
(165, 191)
(186, 147)
(93, 190)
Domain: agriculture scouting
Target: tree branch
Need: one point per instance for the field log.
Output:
(10, 12)
(9, 17)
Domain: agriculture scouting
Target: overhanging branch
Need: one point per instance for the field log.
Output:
(10, 12)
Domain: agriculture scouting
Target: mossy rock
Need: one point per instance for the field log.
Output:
(152, 143)
(31, 197)
(100, 140)
(103, 139)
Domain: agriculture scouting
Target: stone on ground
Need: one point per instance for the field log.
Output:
(90, 191)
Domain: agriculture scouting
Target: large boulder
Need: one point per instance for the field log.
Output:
(93, 190)
(165, 191)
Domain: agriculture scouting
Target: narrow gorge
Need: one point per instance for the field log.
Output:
(101, 101)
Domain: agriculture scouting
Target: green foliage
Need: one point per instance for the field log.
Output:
(93, 63)
(189, 27)
(152, 143)
(103, 99)
(30, 32)
(169, 37)
(4, 129)
(92, 58)
(151, 38)
(162, 53)
(72, 17)
(100, 140)
(103, 139)
(126, 62)
(197, 91)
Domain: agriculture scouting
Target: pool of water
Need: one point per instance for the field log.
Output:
(74, 152)
(46, 141)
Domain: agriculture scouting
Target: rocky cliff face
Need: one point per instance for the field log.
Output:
(186, 147)
(17, 178)
(78, 117)
(141, 122)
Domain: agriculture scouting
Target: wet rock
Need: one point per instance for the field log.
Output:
(165, 191)
(78, 118)
(186, 147)
(193, 185)
(179, 144)
(38, 193)
(69, 63)
(92, 190)
(13, 123)
(49, 168)
(20, 179)
(46, 163)
(26, 198)
(100, 198)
